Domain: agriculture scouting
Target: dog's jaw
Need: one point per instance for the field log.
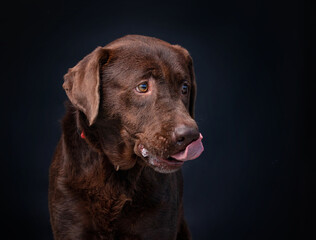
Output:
(159, 164)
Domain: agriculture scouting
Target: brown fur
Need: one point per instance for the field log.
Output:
(101, 187)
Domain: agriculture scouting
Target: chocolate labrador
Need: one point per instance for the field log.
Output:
(128, 129)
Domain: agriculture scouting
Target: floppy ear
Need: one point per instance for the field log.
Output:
(82, 83)
(192, 76)
(193, 88)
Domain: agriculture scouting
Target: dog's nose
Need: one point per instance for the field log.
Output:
(185, 135)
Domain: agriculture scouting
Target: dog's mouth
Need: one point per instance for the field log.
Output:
(158, 161)
(192, 151)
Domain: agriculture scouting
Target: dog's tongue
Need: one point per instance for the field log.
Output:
(192, 151)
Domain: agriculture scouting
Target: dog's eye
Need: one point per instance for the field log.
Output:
(142, 88)
(185, 88)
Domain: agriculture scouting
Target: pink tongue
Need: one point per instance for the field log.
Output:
(192, 151)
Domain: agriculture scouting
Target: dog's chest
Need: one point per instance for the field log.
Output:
(154, 213)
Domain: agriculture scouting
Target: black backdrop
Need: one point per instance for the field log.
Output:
(254, 180)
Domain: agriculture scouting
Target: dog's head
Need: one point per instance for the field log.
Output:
(136, 100)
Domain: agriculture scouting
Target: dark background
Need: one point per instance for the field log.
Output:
(253, 63)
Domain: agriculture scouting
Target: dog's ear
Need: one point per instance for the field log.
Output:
(82, 83)
(193, 87)
(189, 62)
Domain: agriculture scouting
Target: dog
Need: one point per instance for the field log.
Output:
(129, 127)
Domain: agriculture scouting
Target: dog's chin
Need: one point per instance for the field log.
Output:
(159, 164)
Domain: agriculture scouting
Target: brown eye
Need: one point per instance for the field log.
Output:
(142, 88)
(185, 88)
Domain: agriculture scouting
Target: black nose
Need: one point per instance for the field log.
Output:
(185, 135)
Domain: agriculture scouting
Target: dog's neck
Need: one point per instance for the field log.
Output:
(90, 152)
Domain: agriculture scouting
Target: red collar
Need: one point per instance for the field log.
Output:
(82, 135)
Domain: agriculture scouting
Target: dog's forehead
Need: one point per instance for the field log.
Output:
(139, 57)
